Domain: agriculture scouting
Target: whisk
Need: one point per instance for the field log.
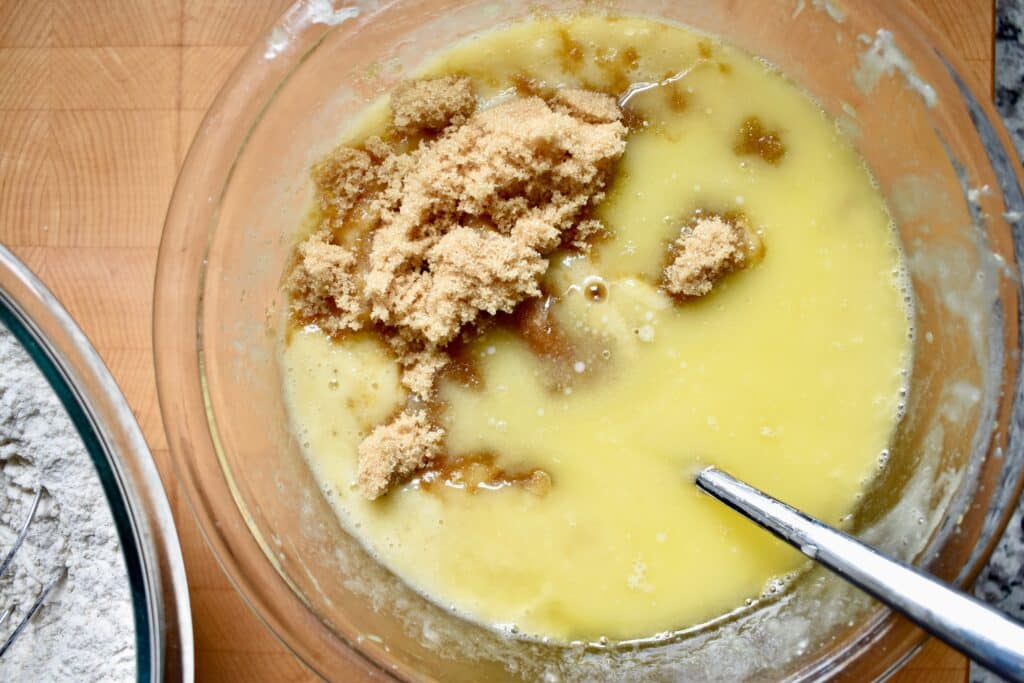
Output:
(5, 565)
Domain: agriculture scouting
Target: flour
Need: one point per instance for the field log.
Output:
(85, 630)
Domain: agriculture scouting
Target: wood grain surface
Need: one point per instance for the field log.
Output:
(99, 100)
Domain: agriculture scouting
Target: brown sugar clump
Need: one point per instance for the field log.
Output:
(473, 272)
(432, 105)
(419, 368)
(586, 105)
(705, 253)
(341, 178)
(420, 244)
(395, 450)
(539, 483)
(325, 287)
(480, 209)
(754, 139)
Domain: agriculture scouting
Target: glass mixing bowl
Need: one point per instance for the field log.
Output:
(124, 465)
(942, 160)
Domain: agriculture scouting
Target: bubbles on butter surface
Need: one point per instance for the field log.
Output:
(595, 288)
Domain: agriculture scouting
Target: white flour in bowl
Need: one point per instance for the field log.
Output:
(85, 630)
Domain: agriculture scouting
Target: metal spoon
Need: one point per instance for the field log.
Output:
(974, 628)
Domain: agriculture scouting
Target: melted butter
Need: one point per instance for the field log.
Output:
(788, 374)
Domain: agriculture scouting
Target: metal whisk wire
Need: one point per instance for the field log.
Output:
(5, 565)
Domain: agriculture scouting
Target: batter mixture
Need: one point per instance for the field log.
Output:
(543, 284)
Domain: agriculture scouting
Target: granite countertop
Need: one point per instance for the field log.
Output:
(1002, 581)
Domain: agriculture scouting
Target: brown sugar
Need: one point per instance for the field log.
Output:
(570, 51)
(587, 105)
(481, 471)
(704, 253)
(325, 287)
(395, 450)
(420, 368)
(754, 139)
(432, 105)
(341, 178)
(457, 228)
(478, 212)
(675, 94)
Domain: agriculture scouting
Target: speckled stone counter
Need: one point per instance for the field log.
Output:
(1002, 581)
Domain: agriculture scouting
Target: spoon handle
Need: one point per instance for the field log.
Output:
(977, 630)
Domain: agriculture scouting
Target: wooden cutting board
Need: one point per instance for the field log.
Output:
(99, 100)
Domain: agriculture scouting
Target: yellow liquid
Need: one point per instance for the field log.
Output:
(788, 375)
